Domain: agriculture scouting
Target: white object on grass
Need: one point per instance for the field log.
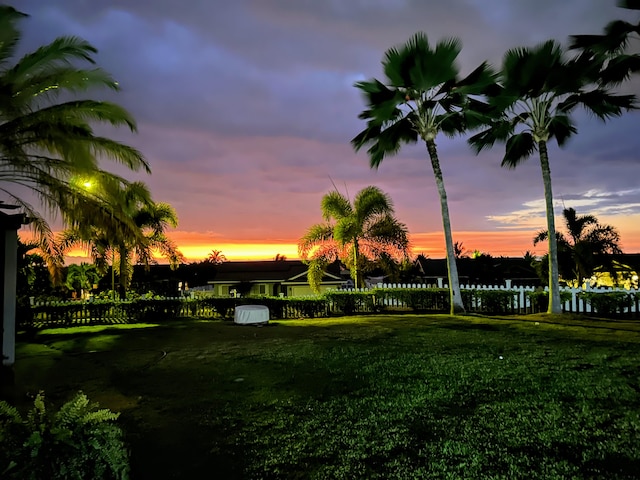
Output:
(251, 314)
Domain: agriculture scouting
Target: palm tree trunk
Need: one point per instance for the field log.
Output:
(356, 273)
(122, 285)
(554, 285)
(455, 297)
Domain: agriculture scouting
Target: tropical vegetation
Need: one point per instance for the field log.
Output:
(586, 245)
(48, 145)
(105, 240)
(539, 89)
(216, 257)
(78, 441)
(423, 96)
(81, 278)
(354, 233)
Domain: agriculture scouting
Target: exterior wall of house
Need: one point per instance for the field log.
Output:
(271, 289)
(222, 289)
(304, 290)
(261, 289)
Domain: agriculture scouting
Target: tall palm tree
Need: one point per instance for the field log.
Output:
(539, 90)
(587, 245)
(46, 134)
(363, 230)
(423, 96)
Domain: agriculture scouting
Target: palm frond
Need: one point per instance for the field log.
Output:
(519, 147)
(382, 101)
(335, 205)
(79, 113)
(451, 124)
(347, 230)
(619, 69)
(49, 84)
(388, 231)
(561, 128)
(498, 131)
(480, 81)
(316, 236)
(370, 202)
(530, 72)
(385, 141)
(62, 51)
(605, 105)
(9, 33)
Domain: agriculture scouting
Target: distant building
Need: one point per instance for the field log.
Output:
(274, 277)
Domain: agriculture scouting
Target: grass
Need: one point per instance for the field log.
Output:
(402, 397)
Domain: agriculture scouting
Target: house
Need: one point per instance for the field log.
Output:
(483, 270)
(286, 278)
(617, 275)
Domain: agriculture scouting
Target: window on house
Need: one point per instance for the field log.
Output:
(262, 290)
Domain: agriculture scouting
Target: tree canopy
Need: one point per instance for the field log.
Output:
(353, 232)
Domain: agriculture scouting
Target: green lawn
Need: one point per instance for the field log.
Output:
(389, 397)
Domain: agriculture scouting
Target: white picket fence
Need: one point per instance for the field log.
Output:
(522, 301)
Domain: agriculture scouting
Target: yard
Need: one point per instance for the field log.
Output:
(393, 397)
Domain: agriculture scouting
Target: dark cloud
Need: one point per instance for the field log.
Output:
(246, 108)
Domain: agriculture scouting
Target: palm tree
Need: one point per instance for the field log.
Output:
(216, 257)
(45, 143)
(423, 96)
(587, 245)
(81, 278)
(539, 90)
(153, 219)
(110, 238)
(363, 230)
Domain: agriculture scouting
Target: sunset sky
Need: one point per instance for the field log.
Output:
(245, 111)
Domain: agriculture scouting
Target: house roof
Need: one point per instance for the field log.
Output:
(482, 269)
(271, 271)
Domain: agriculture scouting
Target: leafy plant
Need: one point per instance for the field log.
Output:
(494, 301)
(607, 303)
(351, 302)
(418, 299)
(540, 299)
(79, 442)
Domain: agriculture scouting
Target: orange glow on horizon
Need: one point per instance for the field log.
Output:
(196, 246)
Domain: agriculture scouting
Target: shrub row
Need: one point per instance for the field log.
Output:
(334, 302)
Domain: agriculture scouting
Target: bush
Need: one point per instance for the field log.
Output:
(493, 301)
(78, 442)
(418, 299)
(608, 303)
(290, 307)
(350, 303)
(540, 299)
